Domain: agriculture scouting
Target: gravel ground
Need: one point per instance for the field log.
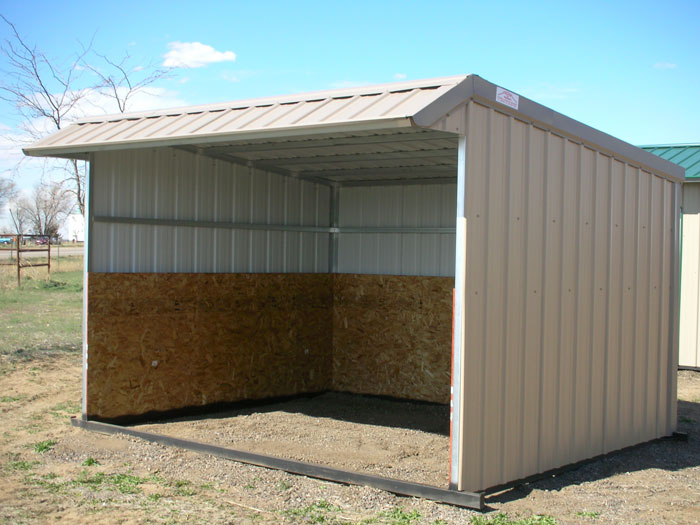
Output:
(52, 472)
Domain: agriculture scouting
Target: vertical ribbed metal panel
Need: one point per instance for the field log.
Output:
(177, 185)
(690, 282)
(409, 206)
(568, 300)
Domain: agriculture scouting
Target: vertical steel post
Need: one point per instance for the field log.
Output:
(459, 305)
(334, 211)
(87, 267)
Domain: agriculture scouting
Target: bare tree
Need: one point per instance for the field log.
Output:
(19, 218)
(8, 191)
(121, 80)
(43, 91)
(46, 208)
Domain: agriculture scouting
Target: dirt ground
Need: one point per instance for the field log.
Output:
(52, 472)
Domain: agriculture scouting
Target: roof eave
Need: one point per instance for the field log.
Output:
(278, 133)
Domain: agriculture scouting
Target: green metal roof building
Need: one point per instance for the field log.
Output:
(688, 157)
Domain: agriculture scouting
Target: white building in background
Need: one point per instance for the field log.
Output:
(75, 227)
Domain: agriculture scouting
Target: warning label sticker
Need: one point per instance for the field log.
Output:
(507, 98)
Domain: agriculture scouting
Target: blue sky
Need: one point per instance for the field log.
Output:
(631, 69)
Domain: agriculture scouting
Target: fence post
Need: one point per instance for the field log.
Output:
(19, 264)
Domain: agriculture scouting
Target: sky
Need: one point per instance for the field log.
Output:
(631, 69)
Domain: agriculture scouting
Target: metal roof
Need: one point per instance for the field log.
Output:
(358, 135)
(685, 155)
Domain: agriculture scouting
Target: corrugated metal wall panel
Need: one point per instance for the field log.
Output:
(409, 206)
(177, 185)
(568, 302)
(690, 281)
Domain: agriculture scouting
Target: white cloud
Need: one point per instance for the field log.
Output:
(664, 65)
(399, 76)
(194, 54)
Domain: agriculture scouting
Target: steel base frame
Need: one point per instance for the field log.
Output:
(472, 500)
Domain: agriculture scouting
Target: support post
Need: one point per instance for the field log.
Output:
(334, 219)
(458, 320)
(87, 267)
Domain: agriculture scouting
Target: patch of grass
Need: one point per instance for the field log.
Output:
(399, 516)
(284, 485)
(588, 514)
(22, 465)
(124, 483)
(504, 519)
(318, 512)
(89, 462)
(10, 399)
(155, 497)
(182, 488)
(43, 316)
(44, 446)
(686, 419)
(65, 409)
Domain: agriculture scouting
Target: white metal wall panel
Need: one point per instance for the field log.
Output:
(689, 355)
(568, 302)
(177, 185)
(409, 206)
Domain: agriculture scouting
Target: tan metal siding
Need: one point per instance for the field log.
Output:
(690, 283)
(569, 296)
(180, 186)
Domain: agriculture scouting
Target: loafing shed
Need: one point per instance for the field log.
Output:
(688, 157)
(442, 240)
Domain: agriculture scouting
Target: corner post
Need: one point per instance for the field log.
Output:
(458, 319)
(87, 268)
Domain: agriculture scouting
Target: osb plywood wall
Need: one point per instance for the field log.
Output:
(160, 342)
(167, 341)
(392, 335)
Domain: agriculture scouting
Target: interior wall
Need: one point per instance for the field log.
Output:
(165, 341)
(406, 206)
(160, 342)
(569, 350)
(172, 184)
(392, 335)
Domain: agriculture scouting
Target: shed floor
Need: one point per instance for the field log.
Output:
(383, 437)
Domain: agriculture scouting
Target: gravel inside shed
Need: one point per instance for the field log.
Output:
(403, 440)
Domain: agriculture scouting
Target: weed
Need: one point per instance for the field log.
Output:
(182, 488)
(317, 512)
(398, 516)
(284, 485)
(206, 486)
(89, 462)
(9, 399)
(66, 408)
(44, 446)
(155, 497)
(686, 419)
(588, 514)
(22, 465)
(503, 519)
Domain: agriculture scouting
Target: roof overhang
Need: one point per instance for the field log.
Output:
(371, 133)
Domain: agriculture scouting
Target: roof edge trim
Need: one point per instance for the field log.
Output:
(473, 87)
(393, 123)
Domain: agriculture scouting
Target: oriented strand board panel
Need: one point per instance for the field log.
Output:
(392, 336)
(166, 341)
